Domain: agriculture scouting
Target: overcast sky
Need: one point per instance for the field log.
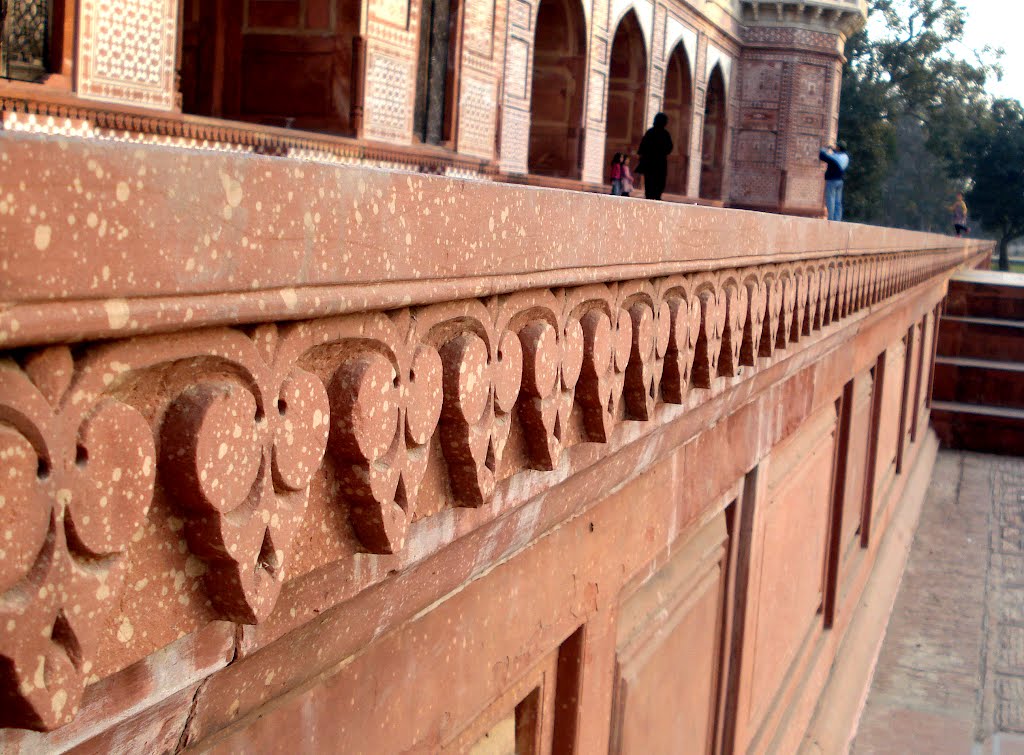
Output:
(997, 23)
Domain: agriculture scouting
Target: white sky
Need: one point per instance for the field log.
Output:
(995, 23)
(998, 23)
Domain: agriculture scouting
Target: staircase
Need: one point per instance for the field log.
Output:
(978, 391)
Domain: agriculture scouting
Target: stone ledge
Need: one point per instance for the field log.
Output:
(251, 239)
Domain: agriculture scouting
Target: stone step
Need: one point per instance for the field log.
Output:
(982, 293)
(977, 427)
(981, 337)
(979, 381)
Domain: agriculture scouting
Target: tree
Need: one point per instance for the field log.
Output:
(918, 188)
(908, 103)
(997, 168)
(865, 102)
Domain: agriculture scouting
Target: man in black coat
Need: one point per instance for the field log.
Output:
(654, 150)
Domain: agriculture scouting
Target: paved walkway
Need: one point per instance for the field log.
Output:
(950, 677)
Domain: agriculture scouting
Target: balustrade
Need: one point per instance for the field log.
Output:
(225, 374)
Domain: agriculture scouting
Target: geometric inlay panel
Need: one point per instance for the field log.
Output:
(126, 51)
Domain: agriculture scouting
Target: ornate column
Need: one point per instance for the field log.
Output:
(789, 79)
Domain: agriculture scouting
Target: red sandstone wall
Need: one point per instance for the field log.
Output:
(353, 71)
(402, 462)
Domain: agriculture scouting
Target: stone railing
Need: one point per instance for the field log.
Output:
(242, 391)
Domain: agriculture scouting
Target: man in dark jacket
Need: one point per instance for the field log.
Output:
(654, 150)
(837, 161)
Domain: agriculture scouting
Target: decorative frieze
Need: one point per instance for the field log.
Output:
(230, 425)
(836, 16)
(329, 368)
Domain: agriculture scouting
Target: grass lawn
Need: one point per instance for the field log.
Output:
(1016, 266)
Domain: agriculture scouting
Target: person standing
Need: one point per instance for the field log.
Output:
(616, 173)
(837, 161)
(959, 210)
(654, 150)
(627, 177)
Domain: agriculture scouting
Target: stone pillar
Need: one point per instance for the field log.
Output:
(513, 151)
(597, 91)
(479, 76)
(697, 123)
(789, 80)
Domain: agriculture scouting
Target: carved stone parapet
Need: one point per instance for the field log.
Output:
(376, 418)
(237, 424)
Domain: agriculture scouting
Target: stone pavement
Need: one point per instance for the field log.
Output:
(950, 677)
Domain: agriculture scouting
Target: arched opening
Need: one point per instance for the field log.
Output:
(559, 77)
(713, 146)
(627, 91)
(434, 109)
(678, 106)
(284, 63)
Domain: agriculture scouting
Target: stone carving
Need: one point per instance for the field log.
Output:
(774, 300)
(78, 469)
(757, 313)
(710, 331)
(552, 361)
(737, 307)
(650, 336)
(94, 120)
(385, 400)
(481, 377)
(388, 105)
(233, 425)
(238, 447)
(762, 81)
(684, 322)
(126, 51)
(607, 344)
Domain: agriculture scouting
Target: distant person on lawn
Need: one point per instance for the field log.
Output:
(837, 161)
(959, 210)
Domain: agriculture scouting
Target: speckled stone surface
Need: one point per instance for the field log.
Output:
(154, 238)
(244, 392)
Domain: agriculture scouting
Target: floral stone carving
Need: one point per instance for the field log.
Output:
(77, 482)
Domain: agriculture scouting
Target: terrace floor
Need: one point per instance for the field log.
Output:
(950, 676)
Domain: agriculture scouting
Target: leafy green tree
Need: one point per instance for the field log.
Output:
(908, 103)
(918, 189)
(997, 168)
(865, 104)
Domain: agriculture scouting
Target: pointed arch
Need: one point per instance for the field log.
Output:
(627, 90)
(678, 106)
(644, 11)
(712, 167)
(559, 81)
